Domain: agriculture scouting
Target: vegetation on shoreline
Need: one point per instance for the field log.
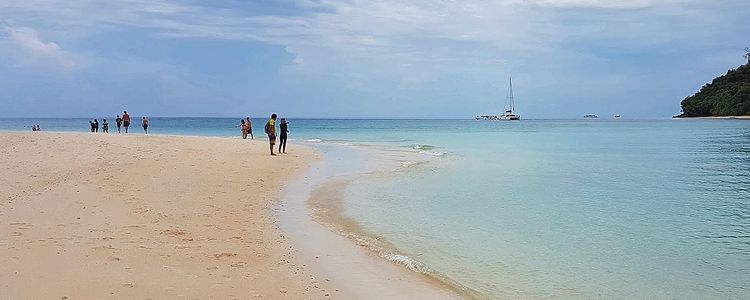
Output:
(727, 95)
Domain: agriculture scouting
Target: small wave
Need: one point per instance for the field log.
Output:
(434, 153)
(405, 261)
(407, 164)
(385, 250)
(314, 140)
(423, 147)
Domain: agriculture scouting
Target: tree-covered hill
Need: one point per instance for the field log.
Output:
(727, 95)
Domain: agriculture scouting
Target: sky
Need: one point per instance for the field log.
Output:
(363, 59)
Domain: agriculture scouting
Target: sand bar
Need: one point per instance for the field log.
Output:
(135, 217)
(94, 216)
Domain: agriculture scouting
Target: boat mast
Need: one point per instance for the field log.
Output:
(510, 94)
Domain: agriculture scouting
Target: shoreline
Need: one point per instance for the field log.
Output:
(332, 242)
(326, 205)
(716, 118)
(162, 233)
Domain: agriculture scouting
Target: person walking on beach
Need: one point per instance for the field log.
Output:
(119, 123)
(250, 128)
(105, 126)
(243, 126)
(145, 124)
(126, 120)
(91, 124)
(271, 131)
(282, 135)
(96, 125)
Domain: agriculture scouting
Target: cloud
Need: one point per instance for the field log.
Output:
(29, 40)
(386, 27)
(385, 49)
(28, 49)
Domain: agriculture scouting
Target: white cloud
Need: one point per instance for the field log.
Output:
(412, 44)
(27, 48)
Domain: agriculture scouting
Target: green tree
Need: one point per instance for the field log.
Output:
(727, 95)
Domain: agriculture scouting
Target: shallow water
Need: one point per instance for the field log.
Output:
(575, 209)
(547, 208)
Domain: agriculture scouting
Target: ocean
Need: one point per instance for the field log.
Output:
(540, 208)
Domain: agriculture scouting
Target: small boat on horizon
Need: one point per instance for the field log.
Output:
(508, 115)
(590, 116)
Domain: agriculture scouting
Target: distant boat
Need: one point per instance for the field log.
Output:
(590, 116)
(617, 116)
(508, 115)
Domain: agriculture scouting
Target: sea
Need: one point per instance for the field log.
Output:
(571, 209)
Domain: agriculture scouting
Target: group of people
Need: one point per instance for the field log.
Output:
(95, 125)
(247, 129)
(36, 127)
(123, 121)
(245, 124)
(271, 132)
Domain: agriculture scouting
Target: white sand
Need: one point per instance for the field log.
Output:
(136, 217)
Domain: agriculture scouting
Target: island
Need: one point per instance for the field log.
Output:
(727, 96)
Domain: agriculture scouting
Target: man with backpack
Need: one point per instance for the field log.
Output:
(271, 131)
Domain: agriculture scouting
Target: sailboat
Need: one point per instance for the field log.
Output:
(508, 115)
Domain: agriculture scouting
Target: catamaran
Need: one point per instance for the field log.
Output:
(508, 115)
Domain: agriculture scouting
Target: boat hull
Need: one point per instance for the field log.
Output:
(499, 118)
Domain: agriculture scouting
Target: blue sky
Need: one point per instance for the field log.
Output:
(351, 58)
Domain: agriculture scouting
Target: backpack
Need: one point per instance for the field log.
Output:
(268, 127)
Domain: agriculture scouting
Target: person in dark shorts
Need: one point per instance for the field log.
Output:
(283, 130)
(243, 127)
(126, 120)
(145, 124)
(271, 131)
(119, 123)
(96, 125)
(105, 126)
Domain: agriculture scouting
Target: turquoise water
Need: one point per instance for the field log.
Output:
(574, 209)
(548, 208)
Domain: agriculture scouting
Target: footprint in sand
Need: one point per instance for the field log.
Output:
(174, 232)
(224, 254)
(21, 225)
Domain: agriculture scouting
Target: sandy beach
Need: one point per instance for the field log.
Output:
(92, 216)
(138, 217)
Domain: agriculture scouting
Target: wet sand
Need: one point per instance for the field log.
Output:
(337, 247)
